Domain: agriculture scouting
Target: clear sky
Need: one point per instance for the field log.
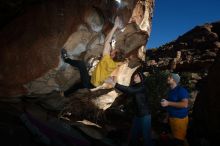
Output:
(173, 18)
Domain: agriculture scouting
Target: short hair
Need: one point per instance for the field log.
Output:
(138, 71)
(119, 56)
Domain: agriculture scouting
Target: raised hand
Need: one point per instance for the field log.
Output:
(110, 81)
(164, 103)
(117, 22)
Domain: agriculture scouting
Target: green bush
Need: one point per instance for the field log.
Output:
(186, 81)
(157, 89)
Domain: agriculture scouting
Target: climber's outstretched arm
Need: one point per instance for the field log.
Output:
(107, 45)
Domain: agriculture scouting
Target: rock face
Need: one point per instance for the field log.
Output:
(31, 42)
(206, 109)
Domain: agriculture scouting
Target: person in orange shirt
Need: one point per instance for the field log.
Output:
(109, 61)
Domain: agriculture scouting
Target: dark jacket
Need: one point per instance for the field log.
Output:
(140, 99)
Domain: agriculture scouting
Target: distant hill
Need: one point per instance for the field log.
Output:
(199, 48)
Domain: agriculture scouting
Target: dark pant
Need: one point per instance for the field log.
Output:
(85, 78)
(141, 126)
(177, 142)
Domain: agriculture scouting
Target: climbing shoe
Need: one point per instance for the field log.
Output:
(64, 54)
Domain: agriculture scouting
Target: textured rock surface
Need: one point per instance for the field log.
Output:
(206, 109)
(31, 42)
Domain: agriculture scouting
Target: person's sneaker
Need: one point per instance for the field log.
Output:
(64, 54)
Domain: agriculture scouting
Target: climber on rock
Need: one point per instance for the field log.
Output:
(122, 74)
(111, 58)
(177, 107)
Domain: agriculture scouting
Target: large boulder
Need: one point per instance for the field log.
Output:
(206, 113)
(31, 42)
